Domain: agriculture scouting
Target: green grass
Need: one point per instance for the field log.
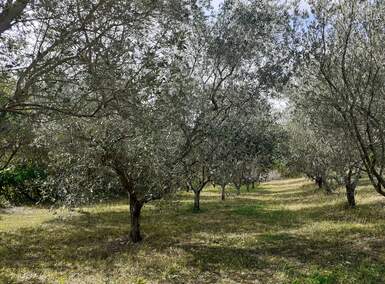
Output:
(281, 232)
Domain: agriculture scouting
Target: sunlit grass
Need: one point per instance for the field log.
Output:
(281, 232)
(18, 218)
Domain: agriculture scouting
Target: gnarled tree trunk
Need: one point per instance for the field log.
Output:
(350, 186)
(350, 195)
(135, 208)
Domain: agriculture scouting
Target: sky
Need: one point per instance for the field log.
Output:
(216, 3)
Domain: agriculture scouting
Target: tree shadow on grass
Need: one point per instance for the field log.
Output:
(293, 253)
(95, 239)
(91, 239)
(216, 257)
(348, 242)
(80, 241)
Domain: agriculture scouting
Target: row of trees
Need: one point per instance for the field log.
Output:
(148, 96)
(241, 151)
(338, 96)
(156, 96)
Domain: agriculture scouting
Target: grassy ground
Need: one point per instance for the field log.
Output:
(281, 232)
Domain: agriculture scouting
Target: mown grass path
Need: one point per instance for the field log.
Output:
(281, 232)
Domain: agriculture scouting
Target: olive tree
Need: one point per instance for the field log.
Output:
(53, 60)
(147, 82)
(319, 149)
(138, 75)
(307, 153)
(236, 61)
(343, 70)
(48, 50)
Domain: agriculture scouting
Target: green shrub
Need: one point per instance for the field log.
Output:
(21, 184)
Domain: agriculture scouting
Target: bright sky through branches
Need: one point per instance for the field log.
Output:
(303, 4)
(216, 3)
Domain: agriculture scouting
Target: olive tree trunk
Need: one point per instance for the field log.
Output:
(350, 194)
(350, 186)
(319, 181)
(223, 192)
(197, 196)
(135, 209)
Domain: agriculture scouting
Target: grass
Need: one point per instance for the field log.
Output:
(281, 232)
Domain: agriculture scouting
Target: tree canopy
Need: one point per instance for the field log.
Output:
(149, 98)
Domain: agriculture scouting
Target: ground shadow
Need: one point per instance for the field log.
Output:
(244, 234)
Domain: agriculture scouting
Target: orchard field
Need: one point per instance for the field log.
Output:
(281, 232)
(118, 117)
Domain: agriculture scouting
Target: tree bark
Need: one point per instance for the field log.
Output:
(319, 181)
(350, 194)
(223, 192)
(197, 195)
(135, 208)
(350, 186)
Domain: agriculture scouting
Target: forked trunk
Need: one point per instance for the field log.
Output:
(135, 208)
